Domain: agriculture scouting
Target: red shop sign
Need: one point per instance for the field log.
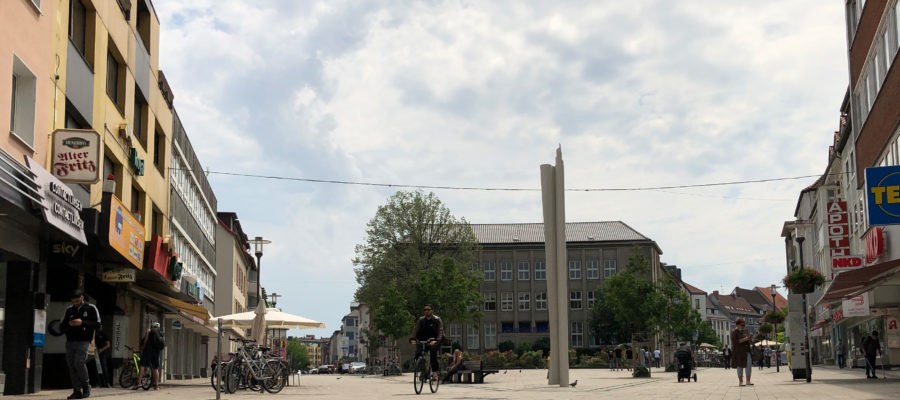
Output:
(874, 244)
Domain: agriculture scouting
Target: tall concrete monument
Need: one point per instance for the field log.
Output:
(554, 200)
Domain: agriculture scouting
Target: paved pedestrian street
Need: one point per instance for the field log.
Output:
(828, 383)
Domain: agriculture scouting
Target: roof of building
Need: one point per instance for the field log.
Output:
(753, 297)
(692, 289)
(780, 301)
(734, 304)
(575, 232)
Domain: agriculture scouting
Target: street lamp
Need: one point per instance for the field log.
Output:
(775, 331)
(800, 240)
(258, 243)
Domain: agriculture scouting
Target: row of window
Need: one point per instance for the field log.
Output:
(884, 49)
(540, 270)
(191, 261)
(489, 330)
(540, 301)
(193, 197)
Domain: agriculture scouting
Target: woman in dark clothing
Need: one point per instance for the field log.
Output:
(152, 346)
(103, 352)
(740, 357)
(455, 365)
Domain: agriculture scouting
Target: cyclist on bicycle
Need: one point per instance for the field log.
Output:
(429, 326)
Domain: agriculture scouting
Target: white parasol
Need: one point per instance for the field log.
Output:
(274, 318)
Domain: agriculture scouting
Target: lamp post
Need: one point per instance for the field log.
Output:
(775, 331)
(275, 297)
(258, 243)
(800, 240)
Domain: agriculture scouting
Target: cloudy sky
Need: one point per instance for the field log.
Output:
(638, 93)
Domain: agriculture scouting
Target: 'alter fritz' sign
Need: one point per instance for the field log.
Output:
(883, 195)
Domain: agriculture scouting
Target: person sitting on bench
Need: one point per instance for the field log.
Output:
(456, 364)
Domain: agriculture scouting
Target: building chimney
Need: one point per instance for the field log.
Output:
(716, 293)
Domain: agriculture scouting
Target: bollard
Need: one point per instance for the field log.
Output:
(219, 363)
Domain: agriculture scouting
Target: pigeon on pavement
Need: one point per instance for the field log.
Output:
(574, 383)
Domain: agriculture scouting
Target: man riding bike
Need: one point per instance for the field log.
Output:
(430, 327)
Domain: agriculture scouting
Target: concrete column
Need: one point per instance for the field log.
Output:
(553, 199)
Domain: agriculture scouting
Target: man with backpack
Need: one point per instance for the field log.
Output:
(151, 347)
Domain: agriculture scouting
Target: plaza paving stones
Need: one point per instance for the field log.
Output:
(827, 383)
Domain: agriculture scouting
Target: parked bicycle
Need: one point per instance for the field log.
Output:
(130, 371)
(214, 366)
(252, 369)
(422, 367)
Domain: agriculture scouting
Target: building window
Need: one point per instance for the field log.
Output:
(574, 269)
(506, 271)
(542, 326)
(472, 338)
(158, 150)
(22, 102)
(139, 121)
(78, 25)
(506, 301)
(593, 269)
(524, 271)
(697, 303)
(490, 335)
(575, 300)
(115, 87)
(525, 326)
(455, 333)
(590, 299)
(490, 301)
(524, 301)
(490, 272)
(609, 268)
(540, 271)
(577, 334)
(540, 301)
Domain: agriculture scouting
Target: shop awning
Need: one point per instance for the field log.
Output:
(186, 309)
(193, 324)
(853, 283)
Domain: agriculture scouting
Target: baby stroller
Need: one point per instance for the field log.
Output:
(685, 359)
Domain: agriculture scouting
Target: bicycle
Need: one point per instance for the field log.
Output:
(214, 366)
(422, 367)
(128, 376)
(254, 371)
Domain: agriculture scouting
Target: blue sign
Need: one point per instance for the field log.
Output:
(883, 195)
(38, 340)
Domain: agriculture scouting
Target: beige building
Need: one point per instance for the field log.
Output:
(234, 264)
(514, 269)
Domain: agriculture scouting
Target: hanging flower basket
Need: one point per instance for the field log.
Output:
(803, 280)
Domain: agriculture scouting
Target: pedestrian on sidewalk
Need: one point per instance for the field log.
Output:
(151, 347)
(871, 347)
(103, 354)
(656, 357)
(839, 349)
(78, 323)
(618, 353)
(726, 355)
(740, 358)
(611, 359)
(629, 355)
(646, 357)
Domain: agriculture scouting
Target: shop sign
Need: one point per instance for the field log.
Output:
(890, 325)
(856, 307)
(874, 244)
(60, 206)
(126, 234)
(846, 263)
(40, 327)
(158, 256)
(176, 324)
(120, 275)
(136, 162)
(838, 229)
(76, 155)
(883, 195)
(119, 337)
(837, 316)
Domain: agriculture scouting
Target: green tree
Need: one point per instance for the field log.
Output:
(678, 318)
(542, 345)
(766, 329)
(706, 334)
(603, 324)
(297, 355)
(632, 298)
(452, 290)
(413, 232)
(392, 316)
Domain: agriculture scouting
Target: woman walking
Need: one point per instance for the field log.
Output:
(740, 356)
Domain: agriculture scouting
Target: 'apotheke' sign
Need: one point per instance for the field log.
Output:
(61, 208)
(76, 155)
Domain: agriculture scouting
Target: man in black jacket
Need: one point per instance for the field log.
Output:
(78, 323)
(430, 327)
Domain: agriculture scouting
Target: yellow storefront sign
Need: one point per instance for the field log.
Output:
(126, 233)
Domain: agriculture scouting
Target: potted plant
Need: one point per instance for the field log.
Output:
(803, 280)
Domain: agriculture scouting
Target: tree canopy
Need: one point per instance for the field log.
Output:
(413, 232)
(297, 355)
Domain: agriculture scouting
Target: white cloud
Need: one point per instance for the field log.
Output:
(638, 93)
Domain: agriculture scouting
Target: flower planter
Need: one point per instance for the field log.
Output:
(804, 288)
